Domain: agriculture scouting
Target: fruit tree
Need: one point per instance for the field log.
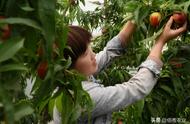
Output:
(33, 39)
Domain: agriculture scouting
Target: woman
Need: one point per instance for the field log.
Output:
(112, 98)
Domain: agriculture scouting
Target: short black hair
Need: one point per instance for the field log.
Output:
(78, 40)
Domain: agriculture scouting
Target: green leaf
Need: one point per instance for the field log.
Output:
(51, 106)
(76, 112)
(186, 6)
(10, 48)
(65, 106)
(26, 6)
(178, 87)
(139, 107)
(63, 39)
(47, 18)
(8, 106)
(24, 21)
(11, 67)
(153, 37)
(43, 91)
(68, 106)
(22, 109)
(59, 103)
(167, 89)
(66, 63)
(131, 6)
(43, 104)
(136, 14)
(83, 2)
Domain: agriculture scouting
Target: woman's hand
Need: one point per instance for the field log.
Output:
(126, 32)
(169, 33)
(165, 36)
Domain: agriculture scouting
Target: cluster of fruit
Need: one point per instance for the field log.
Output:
(42, 67)
(178, 17)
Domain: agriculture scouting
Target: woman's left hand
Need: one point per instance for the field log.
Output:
(169, 33)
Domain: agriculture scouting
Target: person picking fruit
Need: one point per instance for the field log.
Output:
(113, 98)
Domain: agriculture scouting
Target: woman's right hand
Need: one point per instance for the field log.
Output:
(169, 34)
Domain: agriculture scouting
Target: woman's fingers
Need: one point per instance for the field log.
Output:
(181, 29)
(169, 23)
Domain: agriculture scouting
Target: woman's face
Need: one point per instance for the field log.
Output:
(86, 63)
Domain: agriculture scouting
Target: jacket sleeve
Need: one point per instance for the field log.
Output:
(110, 51)
(112, 98)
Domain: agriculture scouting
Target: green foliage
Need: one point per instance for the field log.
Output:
(10, 48)
(38, 25)
(37, 33)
